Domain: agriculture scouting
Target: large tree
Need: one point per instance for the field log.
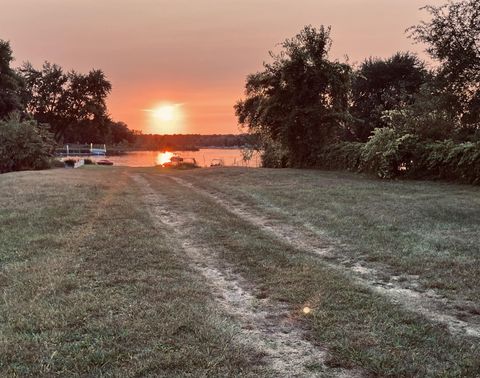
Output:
(9, 82)
(453, 37)
(299, 102)
(67, 102)
(381, 85)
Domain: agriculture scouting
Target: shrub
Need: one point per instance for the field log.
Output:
(274, 155)
(453, 161)
(23, 145)
(389, 153)
(428, 117)
(88, 161)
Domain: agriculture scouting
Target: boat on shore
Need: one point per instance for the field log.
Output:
(177, 161)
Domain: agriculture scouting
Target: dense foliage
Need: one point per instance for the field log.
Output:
(391, 117)
(453, 38)
(380, 85)
(300, 100)
(389, 155)
(23, 145)
(9, 82)
(72, 104)
(39, 106)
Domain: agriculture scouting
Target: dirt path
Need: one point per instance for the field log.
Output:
(428, 304)
(264, 324)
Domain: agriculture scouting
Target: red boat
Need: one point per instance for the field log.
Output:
(104, 162)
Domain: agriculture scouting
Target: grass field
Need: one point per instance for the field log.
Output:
(211, 272)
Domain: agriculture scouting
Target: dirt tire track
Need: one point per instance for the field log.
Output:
(429, 305)
(265, 324)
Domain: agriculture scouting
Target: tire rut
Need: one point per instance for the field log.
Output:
(429, 305)
(265, 324)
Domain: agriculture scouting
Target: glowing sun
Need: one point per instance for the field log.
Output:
(165, 113)
(166, 118)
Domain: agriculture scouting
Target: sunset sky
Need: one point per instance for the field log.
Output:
(192, 55)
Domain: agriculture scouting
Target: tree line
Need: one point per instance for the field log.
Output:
(70, 105)
(44, 107)
(179, 142)
(393, 117)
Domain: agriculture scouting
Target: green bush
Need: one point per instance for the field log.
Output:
(453, 161)
(23, 145)
(273, 155)
(389, 153)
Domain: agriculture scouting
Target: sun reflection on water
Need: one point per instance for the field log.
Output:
(164, 157)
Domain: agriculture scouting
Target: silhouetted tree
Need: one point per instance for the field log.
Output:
(68, 102)
(299, 101)
(384, 84)
(45, 95)
(453, 37)
(9, 82)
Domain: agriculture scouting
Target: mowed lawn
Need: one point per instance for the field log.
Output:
(408, 227)
(93, 284)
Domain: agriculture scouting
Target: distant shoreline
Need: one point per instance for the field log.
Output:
(112, 151)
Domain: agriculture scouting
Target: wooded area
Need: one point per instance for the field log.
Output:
(392, 117)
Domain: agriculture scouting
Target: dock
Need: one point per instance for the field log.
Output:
(82, 150)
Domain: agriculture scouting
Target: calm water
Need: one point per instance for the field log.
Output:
(203, 157)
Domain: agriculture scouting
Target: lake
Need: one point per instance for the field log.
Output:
(203, 157)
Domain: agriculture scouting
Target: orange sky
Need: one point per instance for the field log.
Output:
(194, 53)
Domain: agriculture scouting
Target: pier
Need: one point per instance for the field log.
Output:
(82, 150)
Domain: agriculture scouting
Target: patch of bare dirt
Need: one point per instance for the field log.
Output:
(267, 325)
(429, 304)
